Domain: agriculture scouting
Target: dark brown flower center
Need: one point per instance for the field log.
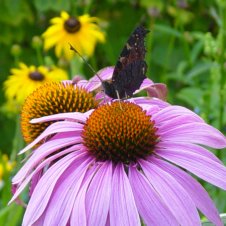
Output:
(36, 76)
(72, 25)
(52, 98)
(120, 132)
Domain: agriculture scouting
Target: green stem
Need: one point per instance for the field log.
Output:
(186, 47)
(39, 56)
(16, 60)
(75, 67)
(87, 6)
(168, 51)
(221, 62)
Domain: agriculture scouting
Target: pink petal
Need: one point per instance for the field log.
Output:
(40, 221)
(41, 153)
(192, 148)
(80, 82)
(78, 214)
(66, 82)
(65, 192)
(151, 208)
(153, 109)
(101, 95)
(150, 101)
(175, 122)
(158, 90)
(145, 84)
(172, 193)
(75, 116)
(123, 210)
(171, 112)
(76, 79)
(202, 166)
(57, 127)
(196, 191)
(34, 181)
(199, 133)
(44, 189)
(41, 166)
(104, 74)
(98, 195)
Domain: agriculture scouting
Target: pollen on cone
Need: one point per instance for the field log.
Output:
(49, 99)
(120, 132)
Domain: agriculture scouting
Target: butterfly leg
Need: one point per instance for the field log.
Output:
(117, 93)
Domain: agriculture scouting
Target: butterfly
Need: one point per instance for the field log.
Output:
(130, 69)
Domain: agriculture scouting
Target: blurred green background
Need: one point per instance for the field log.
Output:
(185, 50)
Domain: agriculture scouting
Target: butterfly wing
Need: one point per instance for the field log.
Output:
(132, 77)
(130, 68)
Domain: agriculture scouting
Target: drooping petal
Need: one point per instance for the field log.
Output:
(197, 133)
(123, 210)
(197, 192)
(170, 112)
(41, 166)
(78, 214)
(43, 191)
(63, 198)
(150, 206)
(172, 193)
(193, 148)
(41, 153)
(202, 166)
(151, 101)
(75, 116)
(98, 195)
(40, 221)
(34, 181)
(168, 126)
(58, 127)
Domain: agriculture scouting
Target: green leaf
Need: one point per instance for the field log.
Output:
(168, 30)
(196, 50)
(11, 215)
(207, 223)
(56, 5)
(199, 69)
(13, 12)
(192, 96)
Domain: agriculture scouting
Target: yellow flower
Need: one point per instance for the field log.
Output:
(25, 79)
(6, 166)
(1, 171)
(82, 33)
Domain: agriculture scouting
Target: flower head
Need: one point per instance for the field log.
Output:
(82, 32)
(120, 163)
(25, 79)
(52, 98)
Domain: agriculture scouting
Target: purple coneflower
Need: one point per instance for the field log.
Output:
(123, 164)
(70, 96)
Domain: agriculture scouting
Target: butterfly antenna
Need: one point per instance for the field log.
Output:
(90, 67)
